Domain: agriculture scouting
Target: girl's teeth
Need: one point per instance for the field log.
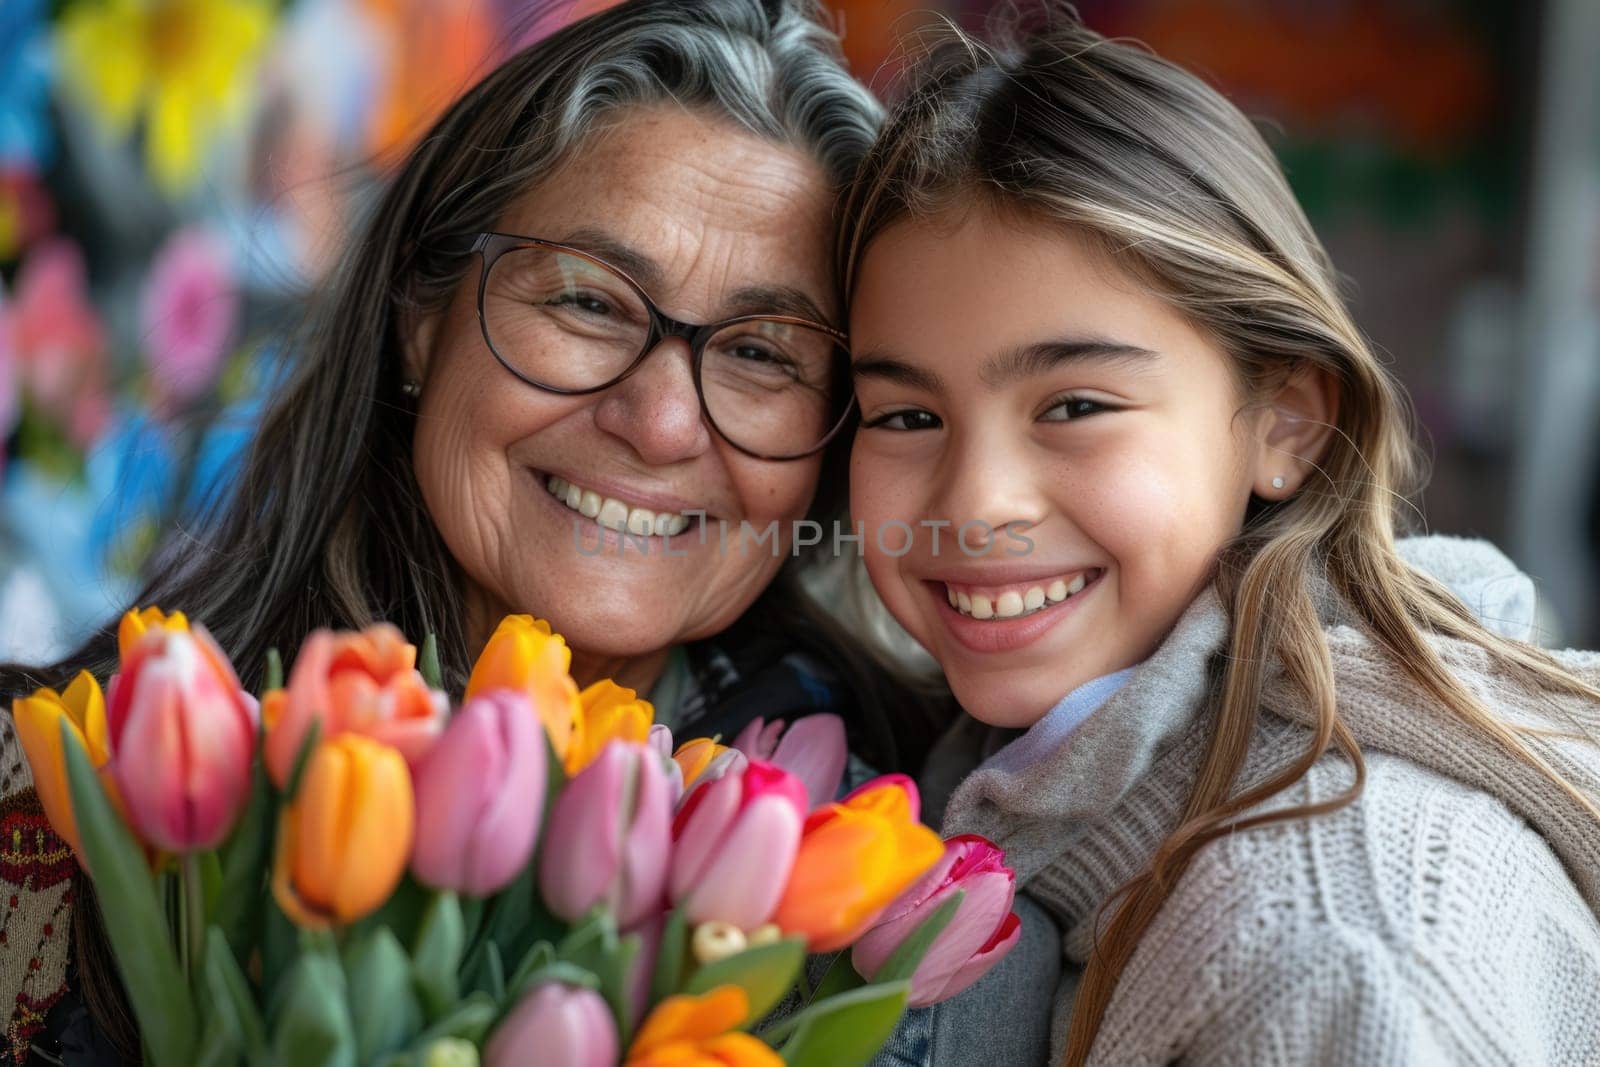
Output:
(1011, 603)
(614, 514)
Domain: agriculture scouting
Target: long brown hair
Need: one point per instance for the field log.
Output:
(1067, 128)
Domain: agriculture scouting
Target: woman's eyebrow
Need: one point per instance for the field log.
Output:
(640, 267)
(1044, 356)
(776, 300)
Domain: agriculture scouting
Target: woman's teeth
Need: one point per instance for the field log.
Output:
(1014, 603)
(613, 514)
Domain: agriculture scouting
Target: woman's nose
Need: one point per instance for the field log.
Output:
(656, 409)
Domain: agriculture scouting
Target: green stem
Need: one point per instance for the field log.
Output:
(192, 925)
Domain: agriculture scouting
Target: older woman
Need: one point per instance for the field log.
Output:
(594, 301)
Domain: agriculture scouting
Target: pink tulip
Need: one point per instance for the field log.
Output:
(734, 844)
(480, 791)
(555, 1024)
(812, 749)
(982, 931)
(182, 736)
(609, 837)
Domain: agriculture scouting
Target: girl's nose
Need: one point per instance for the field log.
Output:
(656, 410)
(987, 487)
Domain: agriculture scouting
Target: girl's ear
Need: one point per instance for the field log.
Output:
(1294, 431)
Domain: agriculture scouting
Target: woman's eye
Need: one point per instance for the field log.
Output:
(1072, 407)
(586, 302)
(904, 420)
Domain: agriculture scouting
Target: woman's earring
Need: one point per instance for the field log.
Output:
(1277, 481)
(411, 387)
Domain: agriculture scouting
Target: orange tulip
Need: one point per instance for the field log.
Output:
(856, 856)
(362, 683)
(343, 843)
(698, 1031)
(38, 718)
(610, 713)
(524, 655)
(138, 622)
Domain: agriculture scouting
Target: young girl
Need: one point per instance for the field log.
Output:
(1288, 798)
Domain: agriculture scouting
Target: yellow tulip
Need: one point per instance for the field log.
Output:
(698, 1031)
(523, 655)
(138, 622)
(38, 718)
(343, 843)
(610, 713)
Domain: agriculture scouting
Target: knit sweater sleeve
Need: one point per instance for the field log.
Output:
(1425, 923)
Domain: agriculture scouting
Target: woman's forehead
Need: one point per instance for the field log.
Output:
(692, 207)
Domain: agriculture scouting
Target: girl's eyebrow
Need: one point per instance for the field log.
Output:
(889, 369)
(1006, 367)
(1044, 356)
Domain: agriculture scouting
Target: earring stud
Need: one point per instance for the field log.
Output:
(1277, 481)
(411, 387)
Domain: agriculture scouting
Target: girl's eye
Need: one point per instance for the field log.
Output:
(1072, 407)
(912, 419)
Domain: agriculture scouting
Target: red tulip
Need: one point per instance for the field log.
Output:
(182, 737)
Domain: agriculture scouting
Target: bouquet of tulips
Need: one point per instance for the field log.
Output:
(348, 871)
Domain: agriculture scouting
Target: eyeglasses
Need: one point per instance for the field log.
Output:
(775, 387)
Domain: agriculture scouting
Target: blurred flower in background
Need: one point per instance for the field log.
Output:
(184, 67)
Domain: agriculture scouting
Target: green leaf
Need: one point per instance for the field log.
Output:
(670, 957)
(133, 917)
(595, 947)
(765, 973)
(280, 942)
(840, 977)
(383, 1004)
(312, 1024)
(469, 1019)
(244, 860)
(496, 973)
(231, 998)
(428, 663)
(274, 671)
(541, 955)
(554, 971)
(847, 1030)
(436, 958)
(308, 745)
(903, 961)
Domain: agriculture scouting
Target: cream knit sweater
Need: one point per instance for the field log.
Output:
(1449, 915)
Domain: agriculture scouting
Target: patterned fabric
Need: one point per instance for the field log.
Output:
(36, 871)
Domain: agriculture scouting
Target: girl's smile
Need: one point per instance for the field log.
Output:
(1015, 374)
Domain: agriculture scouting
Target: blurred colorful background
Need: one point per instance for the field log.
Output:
(176, 174)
